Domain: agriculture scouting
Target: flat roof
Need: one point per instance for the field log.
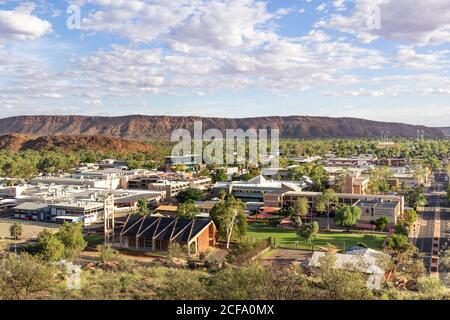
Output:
(78, 205)
(31, 206)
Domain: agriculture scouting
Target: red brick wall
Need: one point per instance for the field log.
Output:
(203, 240)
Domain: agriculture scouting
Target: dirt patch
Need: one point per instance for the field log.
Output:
(30, 232)
(285, 256)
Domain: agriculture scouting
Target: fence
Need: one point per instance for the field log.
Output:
(33, 223)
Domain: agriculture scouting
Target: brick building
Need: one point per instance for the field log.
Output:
(158, 233)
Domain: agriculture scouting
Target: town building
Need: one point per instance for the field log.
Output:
(50, 202)
(356, 184)
(372, 206)
(85, 212)
(191, 161)
(170, 183)
(305, 160)
(150, 233)
(276, 173)
(254, 189)
(95, 179)
(362, 161)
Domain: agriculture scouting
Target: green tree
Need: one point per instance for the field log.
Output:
(25, 277)
(378, 180)
(71, 235)
(50, 248)
(347, 216)
(381, 223)
(402, 228)
(320, 205)
(329, 199)
(190, 194)
(15, 230)
(187, 210)
(397, 242)
(416, 198)
(230, 219)
(143, 207)
(308, 231)
(290, 212)
(301, 207)
(219, 175)
(410, 216)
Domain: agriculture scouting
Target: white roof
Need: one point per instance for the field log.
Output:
(369, 253)
(350, 262)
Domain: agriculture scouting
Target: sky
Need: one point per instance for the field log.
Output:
(386, 60)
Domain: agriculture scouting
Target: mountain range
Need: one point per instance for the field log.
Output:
(20, 142)
(139, 127)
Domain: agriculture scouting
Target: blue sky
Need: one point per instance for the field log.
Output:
(386, 60)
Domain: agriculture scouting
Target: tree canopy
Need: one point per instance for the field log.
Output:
(347, 216)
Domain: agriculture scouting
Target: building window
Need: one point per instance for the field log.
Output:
(148, 243)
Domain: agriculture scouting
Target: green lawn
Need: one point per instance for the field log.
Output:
(287, 238)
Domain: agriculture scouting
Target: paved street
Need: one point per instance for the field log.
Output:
(426, 232)
(425, 239)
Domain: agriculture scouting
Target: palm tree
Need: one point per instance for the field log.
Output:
(15, 230)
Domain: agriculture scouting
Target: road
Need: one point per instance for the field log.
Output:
(426, 232)
(425, 239)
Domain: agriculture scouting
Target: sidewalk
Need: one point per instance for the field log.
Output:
(415, 230)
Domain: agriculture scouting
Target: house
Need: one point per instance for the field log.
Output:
(366, 261)
(151, 233)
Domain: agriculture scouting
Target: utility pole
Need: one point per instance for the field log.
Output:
(108, 215)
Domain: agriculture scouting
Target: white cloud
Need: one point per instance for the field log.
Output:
(321, 7)
(418, 22)
(21, 24)
(408, 58)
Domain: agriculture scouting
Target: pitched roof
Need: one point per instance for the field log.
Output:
(161, 228)
(349, 262)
